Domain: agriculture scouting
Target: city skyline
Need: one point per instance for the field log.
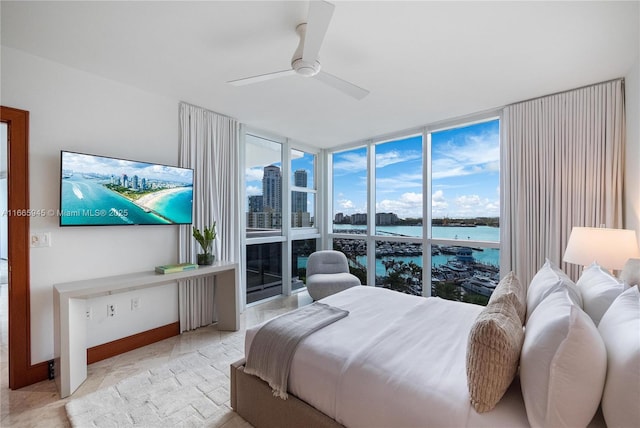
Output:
(300, 161)
(265, 209)
(106, 166)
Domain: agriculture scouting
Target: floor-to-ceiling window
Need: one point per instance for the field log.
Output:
(381, 219)
(263, 217)
(349, 213)
(465, 211)
(280, 197)
(303, 231)
(377, 213)
(398, 214)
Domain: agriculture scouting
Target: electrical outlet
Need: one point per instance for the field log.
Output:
(51, 366)
(40, 239)
(111, 310)
(89, 313)
(135, 303)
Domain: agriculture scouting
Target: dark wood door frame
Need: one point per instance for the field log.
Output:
(21, 371)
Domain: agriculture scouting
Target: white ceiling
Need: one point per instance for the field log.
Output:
(422, 61)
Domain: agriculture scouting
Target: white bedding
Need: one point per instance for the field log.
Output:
(395, 361)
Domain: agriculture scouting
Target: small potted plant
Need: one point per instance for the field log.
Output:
(205, 239)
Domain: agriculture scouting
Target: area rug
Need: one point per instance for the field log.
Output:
(191, 391)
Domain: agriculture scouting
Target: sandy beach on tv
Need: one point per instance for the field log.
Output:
(150, 200)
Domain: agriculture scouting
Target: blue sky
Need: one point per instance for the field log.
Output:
(465, 176)
(84, 163)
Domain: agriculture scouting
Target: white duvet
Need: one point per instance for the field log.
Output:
(395, 361)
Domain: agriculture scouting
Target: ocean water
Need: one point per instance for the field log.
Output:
(458, 234)
(176, 206)
(478, 233)
(85, 201)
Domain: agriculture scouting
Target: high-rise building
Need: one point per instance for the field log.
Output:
(300, 219)
(256, 204)
(272, 189)
(359, 218)
(299, 199)
(386, 219)
(300, 178)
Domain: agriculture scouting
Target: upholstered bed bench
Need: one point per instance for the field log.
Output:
(253, 399)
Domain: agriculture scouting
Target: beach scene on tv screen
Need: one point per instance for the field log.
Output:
(98, 190)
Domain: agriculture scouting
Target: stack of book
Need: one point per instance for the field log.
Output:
(180, 267)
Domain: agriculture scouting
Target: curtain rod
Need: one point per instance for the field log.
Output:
(210, 111)
(566, 91)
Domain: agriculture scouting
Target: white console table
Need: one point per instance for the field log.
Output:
(70, 324)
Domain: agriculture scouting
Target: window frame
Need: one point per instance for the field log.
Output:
(297, 232)
(288, 233)
(427, 240)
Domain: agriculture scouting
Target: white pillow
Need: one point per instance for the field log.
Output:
(548, 279)
(598, 290)
(620, 329)
(562, 365)
(630, 274)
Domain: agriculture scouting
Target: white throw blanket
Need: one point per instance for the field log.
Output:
(276, 341)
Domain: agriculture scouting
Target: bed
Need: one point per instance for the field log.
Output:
(396, 361)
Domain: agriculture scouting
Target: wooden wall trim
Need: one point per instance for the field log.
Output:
(21, 372)
(126, 344)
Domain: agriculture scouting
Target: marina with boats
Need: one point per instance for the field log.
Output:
(458, 272)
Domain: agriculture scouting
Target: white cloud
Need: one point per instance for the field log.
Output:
(395, 156)
(477, 154)
(399, 182)
(254, 190)
(408, 205)
(438, 196)
(346, 204)
(464, 206)
(476, 206)
(253, 174)
(468, 200)
(439, 204)
(350, 162)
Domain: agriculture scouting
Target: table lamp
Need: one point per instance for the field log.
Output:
(610, 248)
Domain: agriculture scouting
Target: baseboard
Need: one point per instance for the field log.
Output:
(126, 344)
(35, 373)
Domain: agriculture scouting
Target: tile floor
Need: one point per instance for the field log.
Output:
(40, 406)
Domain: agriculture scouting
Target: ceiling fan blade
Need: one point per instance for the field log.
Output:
(318, 20)
(342, 85)
(261, 77)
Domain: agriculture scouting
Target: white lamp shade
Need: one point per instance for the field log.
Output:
(610, 248)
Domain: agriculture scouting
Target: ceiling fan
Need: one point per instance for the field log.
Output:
(305, 60)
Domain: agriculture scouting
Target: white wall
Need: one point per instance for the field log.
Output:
(74, 110)
(632, 172)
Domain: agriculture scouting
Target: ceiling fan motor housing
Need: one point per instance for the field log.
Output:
(302, 67)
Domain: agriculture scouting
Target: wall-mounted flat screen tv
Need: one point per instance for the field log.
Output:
(105, 191)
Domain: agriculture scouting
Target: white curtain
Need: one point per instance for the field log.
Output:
(209, 143)
(562, 165)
